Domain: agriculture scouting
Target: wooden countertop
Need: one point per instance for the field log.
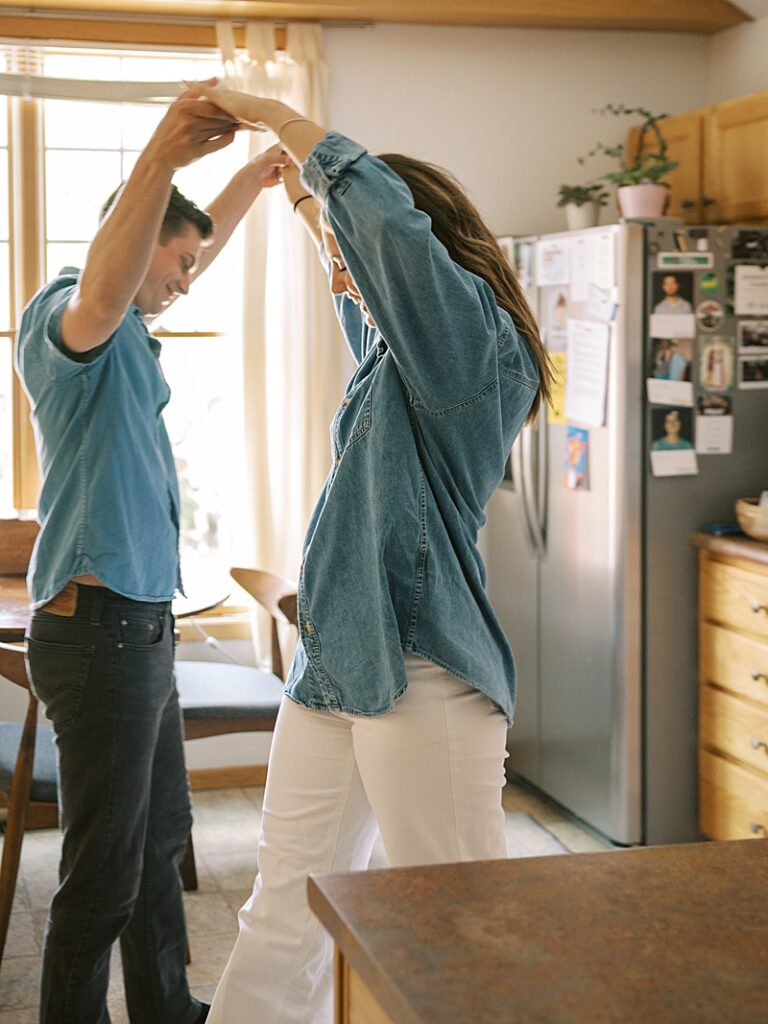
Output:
(654, 935)
(737, 545)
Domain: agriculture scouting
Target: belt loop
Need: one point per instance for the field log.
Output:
(96, 603)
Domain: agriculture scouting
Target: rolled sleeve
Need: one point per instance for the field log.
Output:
(325, 166)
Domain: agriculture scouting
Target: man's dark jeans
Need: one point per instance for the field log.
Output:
(105, 675)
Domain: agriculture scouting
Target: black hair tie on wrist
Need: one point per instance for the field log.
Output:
(301, 200)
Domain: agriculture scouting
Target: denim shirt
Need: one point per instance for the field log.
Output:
(419, 443)
(109, 503)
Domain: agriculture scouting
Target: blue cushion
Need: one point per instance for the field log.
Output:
(215, 689)
(44, 785)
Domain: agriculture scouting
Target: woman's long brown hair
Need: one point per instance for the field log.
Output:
(470, 243)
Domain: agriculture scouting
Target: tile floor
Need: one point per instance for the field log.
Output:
(226, 834)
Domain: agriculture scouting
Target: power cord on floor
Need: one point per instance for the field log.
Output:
(211, 641)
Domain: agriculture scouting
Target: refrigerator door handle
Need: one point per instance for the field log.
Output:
(518, 480)
(530, 489)
(543, 474)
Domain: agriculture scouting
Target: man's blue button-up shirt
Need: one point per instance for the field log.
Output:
(443, 385)
(109, 503)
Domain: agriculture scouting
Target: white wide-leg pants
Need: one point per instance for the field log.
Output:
(428, 775)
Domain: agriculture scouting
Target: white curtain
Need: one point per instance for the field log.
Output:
(294, 361)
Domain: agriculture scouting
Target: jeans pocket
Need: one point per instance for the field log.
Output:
(141, 630)
(57, 675)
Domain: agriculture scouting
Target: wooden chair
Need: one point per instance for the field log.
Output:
(218, 698)
(27, 775)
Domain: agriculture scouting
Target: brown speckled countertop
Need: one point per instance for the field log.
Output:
(656, 935)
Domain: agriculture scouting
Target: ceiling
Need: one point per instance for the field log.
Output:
(706, 16)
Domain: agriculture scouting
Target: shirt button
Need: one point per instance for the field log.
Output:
(309, 628)
(346, 402)
(301, 567)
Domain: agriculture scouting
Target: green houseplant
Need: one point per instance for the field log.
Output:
(582, 204)
(641, 190)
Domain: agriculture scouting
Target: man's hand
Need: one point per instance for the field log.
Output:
(268, 167)
(190, 128)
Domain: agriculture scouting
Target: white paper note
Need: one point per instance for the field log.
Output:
(587, 358)
(669, 392)
(604, 259)
(682, 463)
(750, 290)
(552, 261)
(673, 325)
(714, 435)
(581, 267)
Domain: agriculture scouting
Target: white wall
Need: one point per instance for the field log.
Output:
(738, 61)
(507, 110)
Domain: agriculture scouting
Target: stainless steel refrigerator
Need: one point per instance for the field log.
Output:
(596, 587)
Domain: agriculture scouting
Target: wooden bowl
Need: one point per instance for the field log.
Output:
(752, 518)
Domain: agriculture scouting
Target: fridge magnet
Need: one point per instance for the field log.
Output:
(753, 371)
(714, 425)
(576, 459)
(753, 337)
(709, 284)
(669, 380)
(552, 264)
(716, 363)
(556, 410)
(672, 293)
(691, 260)
(709, 315)
(672, 448)
(750, 287)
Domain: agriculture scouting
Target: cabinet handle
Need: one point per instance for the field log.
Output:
(757, 608)
(757, 676)
(757, 743)
(707, 201)
(687, 204)
(757, 829)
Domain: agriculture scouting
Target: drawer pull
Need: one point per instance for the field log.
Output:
(758, 743)
(757, 829)
(757, 676)
(757, 608)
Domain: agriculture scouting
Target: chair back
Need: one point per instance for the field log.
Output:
(277, 596)
(17, 538)
(12, 665)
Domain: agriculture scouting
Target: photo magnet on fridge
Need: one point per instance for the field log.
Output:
(753, 372)
(673, 451)
(753, 337)
(576, 462)
(716, 363)
(670, 371)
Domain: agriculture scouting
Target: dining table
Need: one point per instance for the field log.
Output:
(15, 611)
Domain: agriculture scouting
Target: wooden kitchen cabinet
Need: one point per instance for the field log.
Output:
(722, 177)
(733, 675)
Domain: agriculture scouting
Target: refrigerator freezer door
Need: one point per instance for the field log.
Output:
(590, 587)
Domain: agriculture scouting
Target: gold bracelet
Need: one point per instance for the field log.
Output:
(301, 200)
(290, 121)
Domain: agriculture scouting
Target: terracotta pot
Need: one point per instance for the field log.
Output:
(585, 216)
(645, 200)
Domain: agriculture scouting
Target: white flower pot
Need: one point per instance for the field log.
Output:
(645, 200)
(585, 216)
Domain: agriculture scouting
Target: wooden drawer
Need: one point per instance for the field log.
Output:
(734, 727)
(734, 597)
(733, 801)
(736, 662)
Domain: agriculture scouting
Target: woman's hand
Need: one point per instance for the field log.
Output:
(255, 112)
(270, 166)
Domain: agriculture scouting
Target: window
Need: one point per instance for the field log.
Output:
(89, 148)
(6, 372)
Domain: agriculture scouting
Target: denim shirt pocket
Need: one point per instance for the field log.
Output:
(353, 418)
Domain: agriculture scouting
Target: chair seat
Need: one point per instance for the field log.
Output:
(214, 689)
(44, 784)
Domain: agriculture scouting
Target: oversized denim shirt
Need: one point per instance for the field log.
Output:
(419, 443)
(109, 503)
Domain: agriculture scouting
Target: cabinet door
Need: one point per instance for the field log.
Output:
(684, 137)
(736, 168)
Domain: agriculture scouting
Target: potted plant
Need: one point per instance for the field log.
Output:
(640, 191)
(582, 204)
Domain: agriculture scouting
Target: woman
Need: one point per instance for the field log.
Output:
(672, 440)
(402, 687)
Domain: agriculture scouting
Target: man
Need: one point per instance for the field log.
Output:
(104, 571)
(672, 302)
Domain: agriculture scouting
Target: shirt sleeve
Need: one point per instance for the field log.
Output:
(356, 331)
(440, 321)
(41, 332)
